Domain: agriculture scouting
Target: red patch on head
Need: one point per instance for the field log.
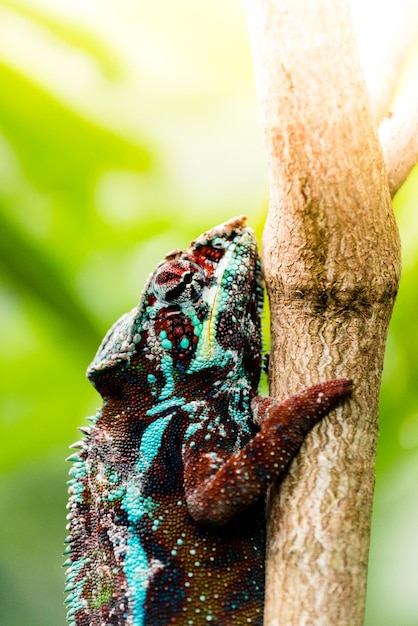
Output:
(179, 331)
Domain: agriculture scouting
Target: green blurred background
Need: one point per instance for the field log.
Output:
(126, 129)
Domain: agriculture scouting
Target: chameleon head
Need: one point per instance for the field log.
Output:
(199, 313)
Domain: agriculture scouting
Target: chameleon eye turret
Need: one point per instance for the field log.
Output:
(178, 282)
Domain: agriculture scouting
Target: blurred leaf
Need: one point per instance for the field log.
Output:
(60, 151)
(30, 270)
(63, 158)
(71, 34)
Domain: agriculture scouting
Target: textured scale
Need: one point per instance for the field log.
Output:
(166, 508)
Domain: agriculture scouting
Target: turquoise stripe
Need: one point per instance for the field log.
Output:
(136, 566)
(151, 443)
(136, 571)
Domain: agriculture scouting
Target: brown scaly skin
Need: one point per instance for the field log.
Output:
(166, 497)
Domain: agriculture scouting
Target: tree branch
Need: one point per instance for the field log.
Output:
(331, 261)
(386, 32)
(398, 135)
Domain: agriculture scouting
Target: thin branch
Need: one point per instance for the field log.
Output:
(398, 135)
(386, 33)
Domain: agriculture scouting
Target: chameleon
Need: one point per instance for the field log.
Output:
(166, 505)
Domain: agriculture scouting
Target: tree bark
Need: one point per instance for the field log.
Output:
(332, 261)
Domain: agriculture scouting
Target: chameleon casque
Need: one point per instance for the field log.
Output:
(167, 520)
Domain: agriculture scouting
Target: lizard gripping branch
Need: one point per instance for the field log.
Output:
(166, 521)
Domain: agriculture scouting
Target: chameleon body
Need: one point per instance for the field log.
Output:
(167, 521)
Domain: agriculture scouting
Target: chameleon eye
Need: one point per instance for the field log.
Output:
(219, 243)
(178, 282)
